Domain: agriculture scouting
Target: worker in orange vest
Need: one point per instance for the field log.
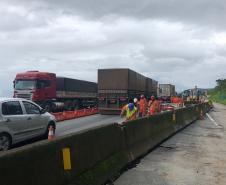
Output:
(181, 102)
(151, 101)
(172, 99)
(142, 106)
(130, 110)
(178, 101)
(153, 106)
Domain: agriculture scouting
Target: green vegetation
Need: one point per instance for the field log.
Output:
(218, 94)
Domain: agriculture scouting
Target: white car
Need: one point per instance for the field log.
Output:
(21, 120)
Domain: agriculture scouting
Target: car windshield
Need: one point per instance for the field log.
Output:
(25, 84)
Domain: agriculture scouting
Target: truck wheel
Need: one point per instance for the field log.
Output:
(5, 142)
(74, 105)
(47, 106)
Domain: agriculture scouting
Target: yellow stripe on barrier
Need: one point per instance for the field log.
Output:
(174, 117)
(67, 158)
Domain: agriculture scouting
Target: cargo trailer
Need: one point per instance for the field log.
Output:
(154, 88)
(117, 87)
(55, 93)
(166, 91)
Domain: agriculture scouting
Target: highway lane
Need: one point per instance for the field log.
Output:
(71, 126)
(194, 156)
(75, 125)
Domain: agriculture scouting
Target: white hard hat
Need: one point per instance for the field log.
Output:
(135, 100)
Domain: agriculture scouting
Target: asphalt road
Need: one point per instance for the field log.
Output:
(194, 156)
(75, 125)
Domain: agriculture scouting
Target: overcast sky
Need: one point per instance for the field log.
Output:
(182, 42)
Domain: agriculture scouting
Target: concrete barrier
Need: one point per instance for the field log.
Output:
(95, 154)
(141, 135)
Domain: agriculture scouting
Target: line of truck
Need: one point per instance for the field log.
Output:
(114, 89)
(118, 86)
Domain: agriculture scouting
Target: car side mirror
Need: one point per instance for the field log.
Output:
(42, 111)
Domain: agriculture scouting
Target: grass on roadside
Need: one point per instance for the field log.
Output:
(219, 97)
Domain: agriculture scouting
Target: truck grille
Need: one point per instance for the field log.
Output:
(25, 96)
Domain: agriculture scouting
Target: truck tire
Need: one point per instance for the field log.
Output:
(48, 106)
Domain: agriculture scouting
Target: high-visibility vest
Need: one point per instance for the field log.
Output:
(152, 110)
(154, 107)
(143, 105)
(129, 113)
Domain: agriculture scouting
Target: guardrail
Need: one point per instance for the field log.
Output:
(67, 115)
(92, 156)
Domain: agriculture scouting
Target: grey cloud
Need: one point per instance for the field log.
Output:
(168, 41)
(221, 51)
(14, 18)
(207, 12)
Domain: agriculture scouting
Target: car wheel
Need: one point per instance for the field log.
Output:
(5, 142)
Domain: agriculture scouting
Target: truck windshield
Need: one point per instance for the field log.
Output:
(25, 84)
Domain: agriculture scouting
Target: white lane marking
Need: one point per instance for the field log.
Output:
(211, 119)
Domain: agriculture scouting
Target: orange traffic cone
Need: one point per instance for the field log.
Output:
(201, 115)
(51, 133)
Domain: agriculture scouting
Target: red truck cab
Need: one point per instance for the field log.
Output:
(36, 86)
